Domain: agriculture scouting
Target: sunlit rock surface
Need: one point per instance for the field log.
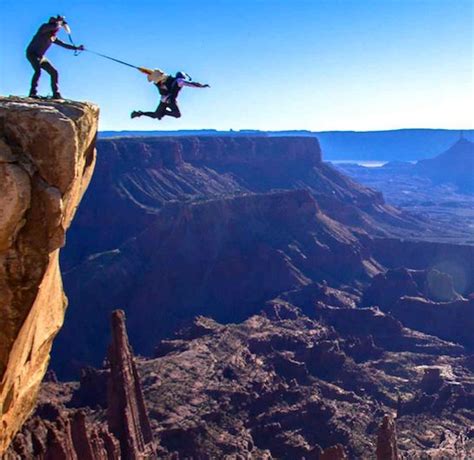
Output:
(47, 156)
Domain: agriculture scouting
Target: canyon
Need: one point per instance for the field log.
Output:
(174, 227)
(276, 307)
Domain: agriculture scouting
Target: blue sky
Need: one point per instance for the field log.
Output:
(272, 64)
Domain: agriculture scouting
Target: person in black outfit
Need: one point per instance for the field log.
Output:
(43, 39)
(169, 88)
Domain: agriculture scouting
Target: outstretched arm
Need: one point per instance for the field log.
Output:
(194, 84)
(59, 42)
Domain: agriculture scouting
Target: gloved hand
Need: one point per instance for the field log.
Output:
(80, 48)
(206, 86)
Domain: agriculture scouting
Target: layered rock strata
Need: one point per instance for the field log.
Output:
(220, 258)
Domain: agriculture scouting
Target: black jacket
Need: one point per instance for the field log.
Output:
(169, 88)
(44, 38)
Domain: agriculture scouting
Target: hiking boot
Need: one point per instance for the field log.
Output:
(33, 95)
(57, 96)
(135, 114)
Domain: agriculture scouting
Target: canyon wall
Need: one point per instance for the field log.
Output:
(136, 177)
(174, 227)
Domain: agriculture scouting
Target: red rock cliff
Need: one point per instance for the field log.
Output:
(47, 155)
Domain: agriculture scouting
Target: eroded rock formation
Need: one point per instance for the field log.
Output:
(230, 254)
(47, 156)
(136, 177)
(427, 301)
(453, 321)
(387, 288)
(237, 220)
(387, 440)
(126, 413)
(273, 387)
(71, 423)
(55, 433)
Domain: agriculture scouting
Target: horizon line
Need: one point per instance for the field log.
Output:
(248, 130)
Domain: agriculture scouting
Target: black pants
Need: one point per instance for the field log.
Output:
(38, 63)
(169, 109)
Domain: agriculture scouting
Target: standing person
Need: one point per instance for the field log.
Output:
(43, 39)
(169, 88)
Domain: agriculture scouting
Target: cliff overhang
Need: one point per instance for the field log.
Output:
(47, 157)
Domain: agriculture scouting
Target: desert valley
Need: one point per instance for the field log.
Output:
(232, 297)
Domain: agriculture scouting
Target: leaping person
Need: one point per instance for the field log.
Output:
(44, 38)
(169, 88)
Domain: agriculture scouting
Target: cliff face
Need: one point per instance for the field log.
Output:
(136, 177)
(235, 221)
(47, 156)
(453, 321)
(220, 257)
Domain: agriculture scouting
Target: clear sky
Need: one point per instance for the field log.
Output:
(272, 64)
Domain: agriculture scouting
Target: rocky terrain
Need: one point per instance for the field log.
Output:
(455, 166)
(121, 431)
(319, 355)
(136, 177)
(439, 189)
(220, 258)
(247, 216)
(278, 308)
(234, 220)
(47, 155)
(314, 375)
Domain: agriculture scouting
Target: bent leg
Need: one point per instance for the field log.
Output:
(173, 109)
(35, 63)
(46, 65)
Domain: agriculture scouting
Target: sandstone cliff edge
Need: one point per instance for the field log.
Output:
(47, 157)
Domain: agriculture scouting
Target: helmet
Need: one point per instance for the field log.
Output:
(181, 75)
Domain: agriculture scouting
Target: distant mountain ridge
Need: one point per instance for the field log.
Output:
(455, 165)
(402, 144)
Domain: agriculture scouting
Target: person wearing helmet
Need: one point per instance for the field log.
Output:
(169, 88)
(43, 39)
